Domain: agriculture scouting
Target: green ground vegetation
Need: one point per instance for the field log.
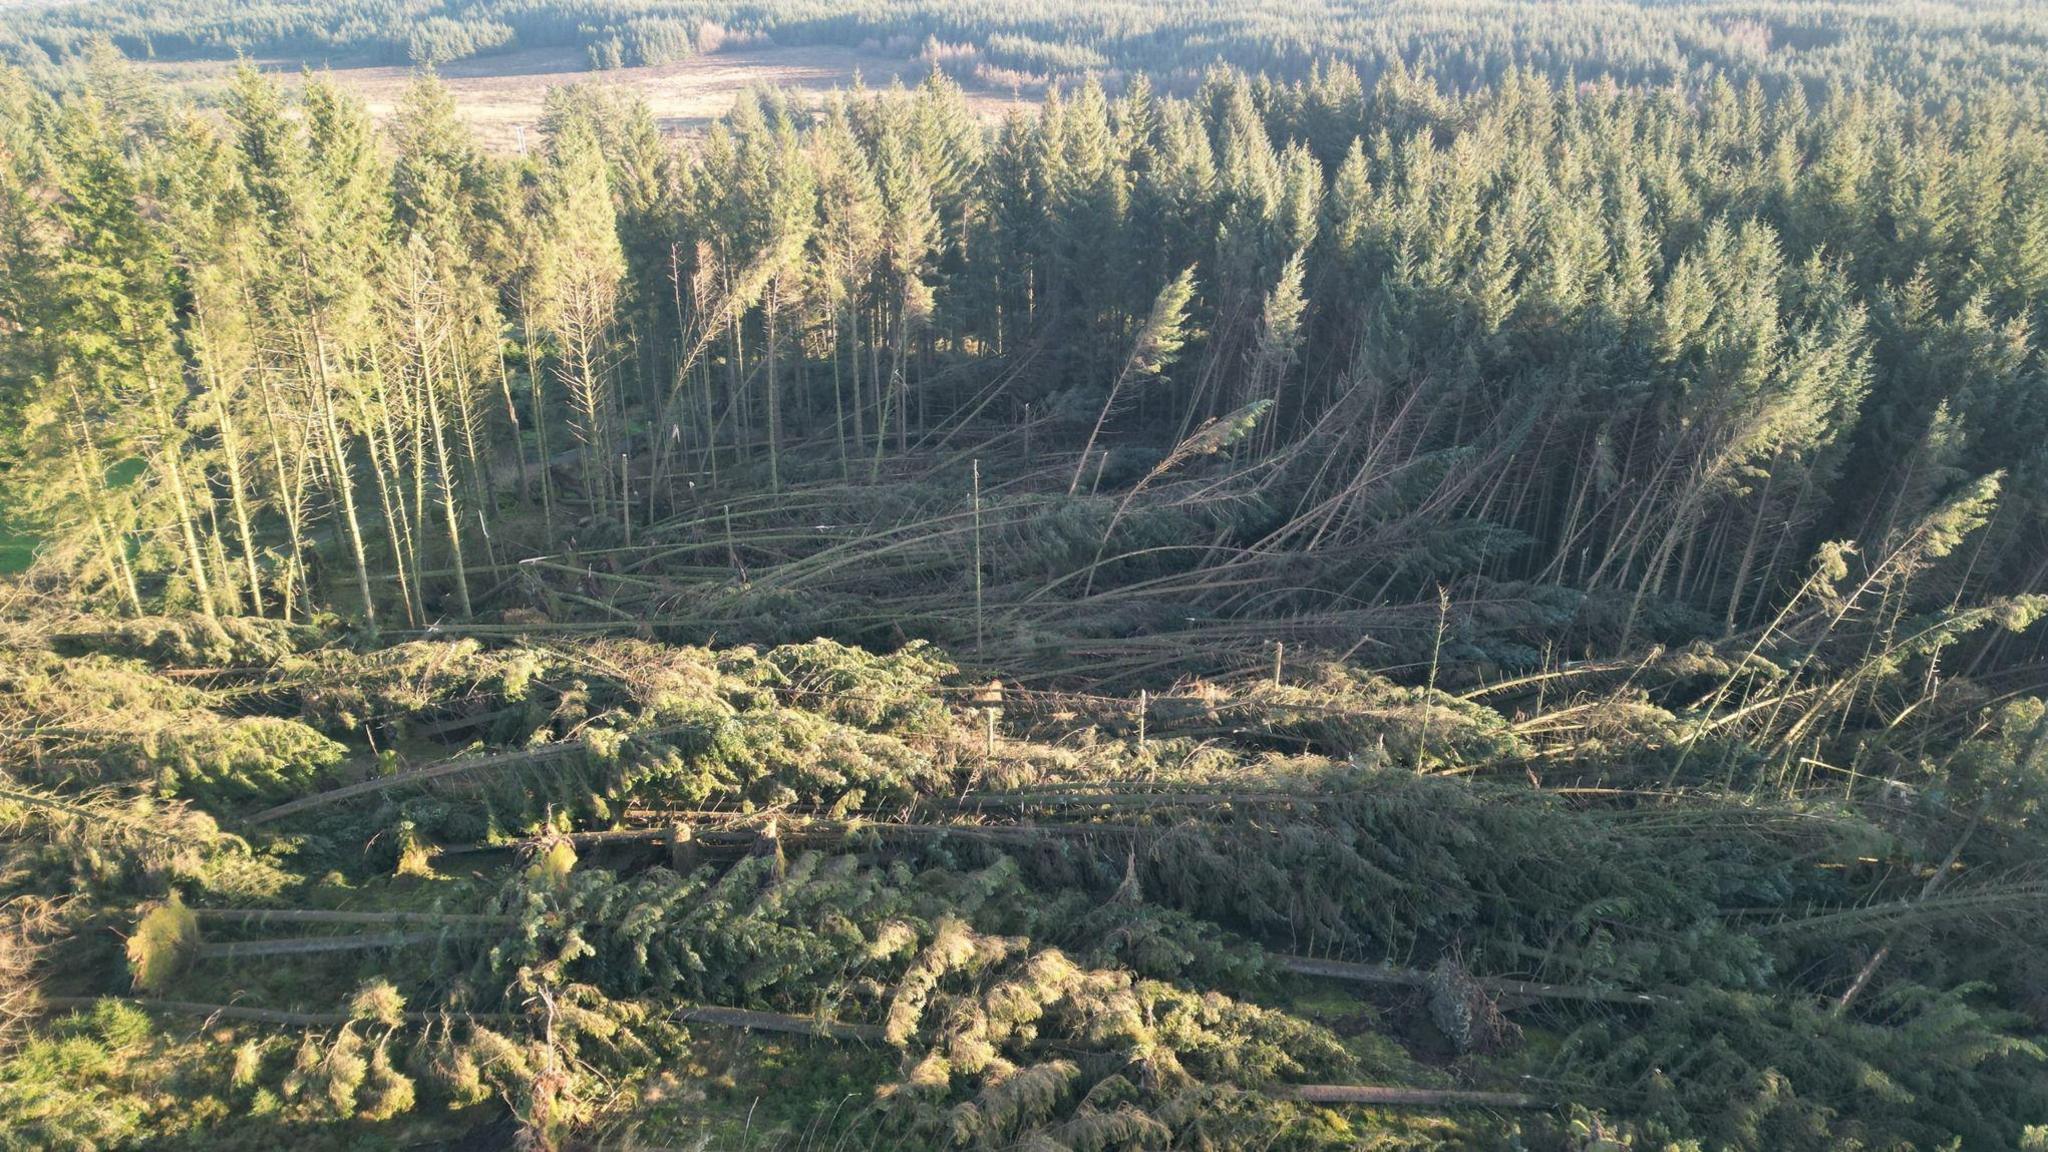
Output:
(627, 894)
(1430, 578)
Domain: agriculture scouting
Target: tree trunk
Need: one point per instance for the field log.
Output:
(448, 511)
(536, 388)
(173, 464)
(838, 401)
(117, 563)
(343, 483)
(397, 529)
(774, 304)
(291, 495)
(238, 495)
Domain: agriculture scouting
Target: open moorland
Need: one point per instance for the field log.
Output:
(500, 96)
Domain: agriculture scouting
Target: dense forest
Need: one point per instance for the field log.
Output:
(1408, 577)
(1929, 46)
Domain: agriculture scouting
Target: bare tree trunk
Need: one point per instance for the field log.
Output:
(397, 529)
(899, 378)
(292, 496)
(537, 399)
(117, 563)
(344, 484)
(774, 304)
(238, 495)
(173, 463)
(588, 395)
(448, 511)
(838, 401)
(860, 432)
(735, 376)
(1749, 550)
(1934, 884)
(512, 418)
(469, 421)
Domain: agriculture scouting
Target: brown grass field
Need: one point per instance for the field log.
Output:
(501, 95)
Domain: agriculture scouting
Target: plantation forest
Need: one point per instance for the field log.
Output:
(1330, 575)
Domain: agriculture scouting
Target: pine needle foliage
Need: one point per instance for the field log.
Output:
(1072, 939)
(165, 943)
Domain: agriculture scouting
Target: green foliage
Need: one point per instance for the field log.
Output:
(1606, 363)
(553, 865)
(189, 640)
(163, 946)
(342, 691)
(93, 1079)
(742, 938)
(1392, 865)
(1565, 477)
(1739, 1070)
(895, 693)
(1344, 712)
(626, 722)
(118, 721)
(377, 1002)
(98, 842)
(1009, 1048)
(1074, 941)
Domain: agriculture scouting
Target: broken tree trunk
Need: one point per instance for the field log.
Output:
(706, 1014)
(314, 945)
(325, 916)
(1411, 1097)
(1414, 978)
(460, 764)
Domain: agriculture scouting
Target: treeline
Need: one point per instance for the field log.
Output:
(1280, 350)
(617, 33)
(1935, 50)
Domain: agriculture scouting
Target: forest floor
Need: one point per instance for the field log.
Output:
(500, 95)
(626, 893)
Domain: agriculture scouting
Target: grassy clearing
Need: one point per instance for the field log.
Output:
(500, 96)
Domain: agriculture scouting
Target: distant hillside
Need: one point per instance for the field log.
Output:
(1460, 42)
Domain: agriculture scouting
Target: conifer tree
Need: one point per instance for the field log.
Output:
(577, 284)
(848, 243)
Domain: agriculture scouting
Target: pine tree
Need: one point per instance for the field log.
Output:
(577, 285)
(1157, 345)
(848, 244)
